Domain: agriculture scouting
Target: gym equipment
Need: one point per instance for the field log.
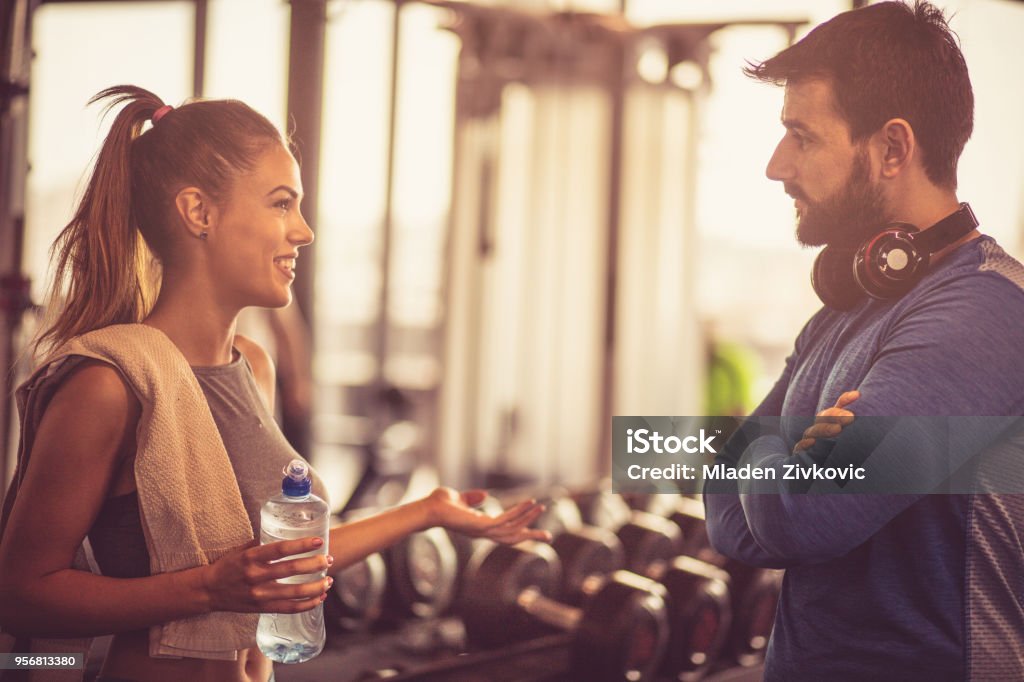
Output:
(422, 570)
(648, 538)
(659, 504)
(356, 599)
(603, 508)
(466, 546)
(619, 634)
(560, 514)
(755, 591)
(699, 612)
(688, 514)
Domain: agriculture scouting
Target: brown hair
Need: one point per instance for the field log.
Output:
(889, 60)
(105, 272)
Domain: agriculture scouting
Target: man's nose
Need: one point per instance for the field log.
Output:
(779, 167)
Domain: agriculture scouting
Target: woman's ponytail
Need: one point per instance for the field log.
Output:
(105, 273)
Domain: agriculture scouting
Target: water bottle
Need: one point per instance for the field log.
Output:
(295, 513)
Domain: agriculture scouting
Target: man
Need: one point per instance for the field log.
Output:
(878, 107)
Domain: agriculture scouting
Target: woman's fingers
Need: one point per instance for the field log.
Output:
(272, 592)
(285, 548)
(521, 514)
(305, 566)
(292, 605)
(474, 498)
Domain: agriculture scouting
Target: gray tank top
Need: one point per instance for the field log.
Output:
(256, 447)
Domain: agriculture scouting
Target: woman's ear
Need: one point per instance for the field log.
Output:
(196, 211)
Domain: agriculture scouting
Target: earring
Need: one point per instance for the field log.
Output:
(202, 235)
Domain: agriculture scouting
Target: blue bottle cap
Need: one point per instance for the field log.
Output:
(296, 481)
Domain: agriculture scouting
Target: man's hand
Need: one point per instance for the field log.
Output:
(830, 422)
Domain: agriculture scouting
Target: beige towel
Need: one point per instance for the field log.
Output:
(191, 508)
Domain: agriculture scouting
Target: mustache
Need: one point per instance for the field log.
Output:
(793, 191)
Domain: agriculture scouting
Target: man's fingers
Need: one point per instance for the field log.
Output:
(804, 444)
(835, 415)
(823, 430)
(847, 398)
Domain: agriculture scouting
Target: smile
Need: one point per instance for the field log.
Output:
(286, 265)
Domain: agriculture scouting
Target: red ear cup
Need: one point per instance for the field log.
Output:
(833, 279)
(889, 265)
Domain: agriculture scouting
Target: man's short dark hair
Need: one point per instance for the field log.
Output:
(884, 61)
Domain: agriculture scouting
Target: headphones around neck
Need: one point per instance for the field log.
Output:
(886, 265)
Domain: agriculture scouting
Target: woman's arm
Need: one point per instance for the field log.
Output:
(87, 429)
(444, 507)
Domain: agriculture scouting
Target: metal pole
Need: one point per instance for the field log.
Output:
(199, 49)
(617, 88)
(305, 111)
(15, 61)
(380, 381)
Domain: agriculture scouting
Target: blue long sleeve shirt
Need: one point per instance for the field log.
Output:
(895, 586)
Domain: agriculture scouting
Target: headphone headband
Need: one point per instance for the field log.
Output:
(947, 231)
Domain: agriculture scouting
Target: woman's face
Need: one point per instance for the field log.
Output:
(260, 232)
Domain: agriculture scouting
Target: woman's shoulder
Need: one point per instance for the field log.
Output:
(95, 397)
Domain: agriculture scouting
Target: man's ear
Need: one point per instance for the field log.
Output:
(897, 146)
(197, 212)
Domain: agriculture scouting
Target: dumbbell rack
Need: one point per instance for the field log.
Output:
(403, 648)
(356, 657)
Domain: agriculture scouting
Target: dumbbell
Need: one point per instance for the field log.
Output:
(422, 570)
(466, 546)
(698, 593)
(659, 504)
(619, 634)
(603, 508)
(355, 601)
(755, 591)
(416, 577)
(560, 513)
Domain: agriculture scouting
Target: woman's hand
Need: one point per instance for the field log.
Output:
(244, 579)
(829, 423)
(454, 511)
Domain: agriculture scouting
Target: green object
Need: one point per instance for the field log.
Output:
(731, 372)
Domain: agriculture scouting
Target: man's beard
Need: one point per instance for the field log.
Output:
(844, 220)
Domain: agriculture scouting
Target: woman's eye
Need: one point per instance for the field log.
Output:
(284, 204)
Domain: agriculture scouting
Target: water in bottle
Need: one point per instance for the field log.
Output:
(295, 513)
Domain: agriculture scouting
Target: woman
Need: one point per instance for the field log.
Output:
(148, 427)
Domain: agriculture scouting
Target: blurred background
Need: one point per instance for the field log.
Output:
(530, 215)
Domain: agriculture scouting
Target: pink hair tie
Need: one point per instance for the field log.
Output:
(160, 113)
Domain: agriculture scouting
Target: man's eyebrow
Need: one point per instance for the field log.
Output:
(286, 188)
(796, 124)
